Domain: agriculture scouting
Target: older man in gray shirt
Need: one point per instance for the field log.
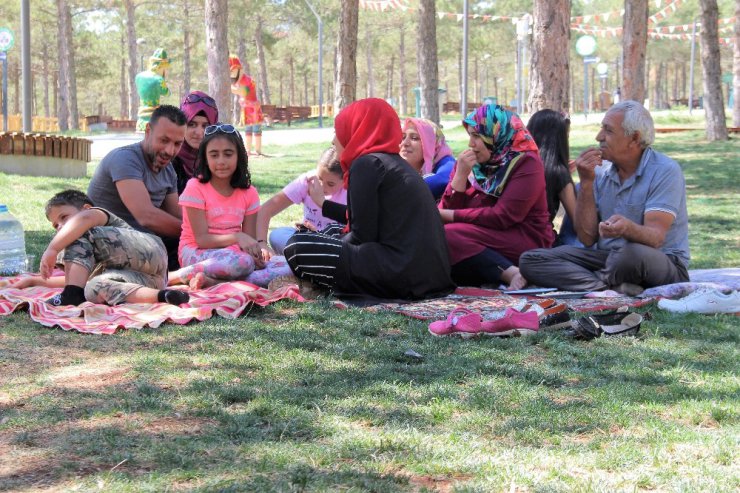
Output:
(633, 209)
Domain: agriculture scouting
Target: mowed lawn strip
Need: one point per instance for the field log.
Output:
(306, 397)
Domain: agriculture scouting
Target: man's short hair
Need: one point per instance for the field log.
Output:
(172, 113)
(637, 119)
(72, 197)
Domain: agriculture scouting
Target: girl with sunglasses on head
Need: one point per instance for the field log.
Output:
(219, 214)
(201, 111)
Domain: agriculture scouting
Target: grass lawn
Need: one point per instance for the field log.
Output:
(305, 397)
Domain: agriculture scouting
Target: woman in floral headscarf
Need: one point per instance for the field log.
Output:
(495, 208)
(394, 244)
(424, 148)
(200, 111)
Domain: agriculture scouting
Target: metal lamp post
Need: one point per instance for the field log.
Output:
(586, 46)
(522, 31)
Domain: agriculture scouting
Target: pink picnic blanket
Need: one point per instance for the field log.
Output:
(228, 300)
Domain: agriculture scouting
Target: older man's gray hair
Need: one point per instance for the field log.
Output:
(636, 119)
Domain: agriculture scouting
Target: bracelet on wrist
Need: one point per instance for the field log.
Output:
(261, 241)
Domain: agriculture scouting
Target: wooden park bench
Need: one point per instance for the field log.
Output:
(44, 155)
(285, 114)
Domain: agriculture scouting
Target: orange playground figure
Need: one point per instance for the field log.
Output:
(251, 116)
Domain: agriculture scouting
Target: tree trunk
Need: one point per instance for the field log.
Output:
(133, 59)
(459, 78)
(45, 64)
(634, 49)
(217, 52)
(427, 60)
(55, 93)
(714, 105)
(186, 70)
(736, 69)
(62, 43)
(389, 77)
(305, 88)
(549, 80)
(403, 104)
(124, 87)
(658, 91)
(477, 94)
(369, 61)
(261, 56)
(74, 115)
(291, 84)
(345, 88)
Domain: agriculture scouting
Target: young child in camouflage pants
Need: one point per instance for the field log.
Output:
(105, 260)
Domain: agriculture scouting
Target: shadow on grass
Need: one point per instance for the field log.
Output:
(276, 378)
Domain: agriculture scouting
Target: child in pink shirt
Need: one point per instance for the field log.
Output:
(220, 208)
(328, 174)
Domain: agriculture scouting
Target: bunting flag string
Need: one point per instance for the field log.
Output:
(581, 24)
(614, 32)
(666, 11)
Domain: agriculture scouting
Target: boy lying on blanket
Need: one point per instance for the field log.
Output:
(105, 260)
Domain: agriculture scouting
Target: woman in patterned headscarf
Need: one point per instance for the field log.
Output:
(394, 244)
(424, 148)
(495, 208)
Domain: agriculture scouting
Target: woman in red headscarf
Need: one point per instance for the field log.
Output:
(394, 245)
(200, 111)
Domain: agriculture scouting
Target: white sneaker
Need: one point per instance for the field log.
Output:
(704, 301)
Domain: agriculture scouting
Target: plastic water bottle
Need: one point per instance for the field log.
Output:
(12, 244)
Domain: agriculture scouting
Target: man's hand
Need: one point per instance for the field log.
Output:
(587, 162)
(48, 262)
(615, 227)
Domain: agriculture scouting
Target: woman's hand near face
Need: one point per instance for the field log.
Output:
(465, 162)
(316, 190)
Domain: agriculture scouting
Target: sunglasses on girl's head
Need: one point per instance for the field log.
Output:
(194, 98)
(220, 127)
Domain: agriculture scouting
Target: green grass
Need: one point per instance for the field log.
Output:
(306, 397)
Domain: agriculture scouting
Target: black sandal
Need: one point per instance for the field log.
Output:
(611, 324)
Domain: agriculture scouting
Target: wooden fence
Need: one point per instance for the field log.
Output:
(18, 143)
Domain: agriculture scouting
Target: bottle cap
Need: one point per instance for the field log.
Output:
(3, 208)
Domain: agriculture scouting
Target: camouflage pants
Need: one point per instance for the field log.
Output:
(120, 261)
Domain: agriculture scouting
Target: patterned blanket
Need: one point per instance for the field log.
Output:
(228, 300)
(491, 304)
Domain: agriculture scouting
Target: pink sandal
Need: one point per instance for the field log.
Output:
(460, 321)
(513, 323)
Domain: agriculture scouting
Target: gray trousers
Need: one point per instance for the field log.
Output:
(582, 269)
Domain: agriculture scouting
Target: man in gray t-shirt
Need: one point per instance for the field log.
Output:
(138, 184)
(631, 213)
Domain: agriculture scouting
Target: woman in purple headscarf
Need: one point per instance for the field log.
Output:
(200, 110)
(494, 207)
